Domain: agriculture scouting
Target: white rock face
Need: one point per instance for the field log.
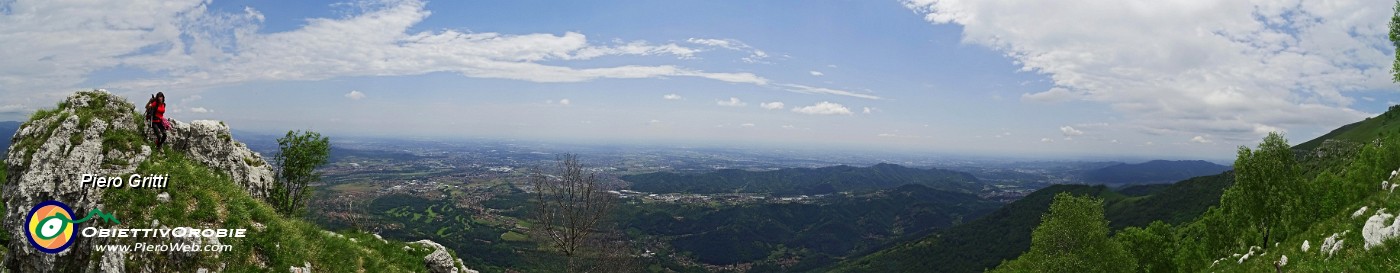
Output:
(1358, 212)
(440, 261)
(63, 148)
(1306, 246)
(1379, 228)
(1333, 243)
(209, 142)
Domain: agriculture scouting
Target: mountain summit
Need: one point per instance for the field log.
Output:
(89, 156)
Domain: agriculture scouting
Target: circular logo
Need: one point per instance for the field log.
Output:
(49, 227)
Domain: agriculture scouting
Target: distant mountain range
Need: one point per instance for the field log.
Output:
(1153, 172)
(793, 181)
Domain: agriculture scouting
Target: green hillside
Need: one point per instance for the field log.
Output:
(1275, 217)
(1359, 132)
(1005, 233)
(812, 234)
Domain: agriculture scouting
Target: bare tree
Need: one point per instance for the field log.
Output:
(571, 208)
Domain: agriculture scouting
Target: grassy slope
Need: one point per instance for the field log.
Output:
(1361, 131)
(1352, 257)
(200, 197)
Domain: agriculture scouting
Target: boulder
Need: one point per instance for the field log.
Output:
(441, 261)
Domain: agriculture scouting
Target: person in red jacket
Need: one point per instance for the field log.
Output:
(155, 112)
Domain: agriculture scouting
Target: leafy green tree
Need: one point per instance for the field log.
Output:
(1073, 237)
(1153, 247)
(1267, 192)
(1395, 40)
(298, 156)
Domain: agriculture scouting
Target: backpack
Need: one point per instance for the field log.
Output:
(151, 109)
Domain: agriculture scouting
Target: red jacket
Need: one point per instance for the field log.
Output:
(160, 111)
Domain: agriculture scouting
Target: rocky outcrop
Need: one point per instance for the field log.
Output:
(210, 143)
(440, 261)
(97, 133)
(46, 161)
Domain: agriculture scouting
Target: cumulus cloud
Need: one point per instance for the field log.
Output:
(1070, 131)
(1222, 68)
(867, 110)
(823, 108)
(1046, 139)
(671, 97)
(1200, 139)
(564, 102)
(355, 95)
(777, 105)
(816, 73)
(201, 110)
(732, 102)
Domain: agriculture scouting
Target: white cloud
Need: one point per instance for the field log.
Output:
(1046, 139)
(816, 73)
(789, 126)
(1056, 94)
(654, 121)
(777, 105)
(1070, 131)
(732, 102)
(823, 108)
(355, 95)
(755, 55)
(747, 125)
(564, 102)
(1200, 139)
(868, 110)
(185, 44)
(671, 97)
(828, 91)
(201, 110)
(1222, 68)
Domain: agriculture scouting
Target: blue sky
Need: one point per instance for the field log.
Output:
(1183, 79)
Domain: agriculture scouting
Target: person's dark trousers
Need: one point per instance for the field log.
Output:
(159, 129)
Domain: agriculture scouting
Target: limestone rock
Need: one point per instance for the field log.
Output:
(209, 142)
(441, 261)
(305, 269)
(47, 160)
